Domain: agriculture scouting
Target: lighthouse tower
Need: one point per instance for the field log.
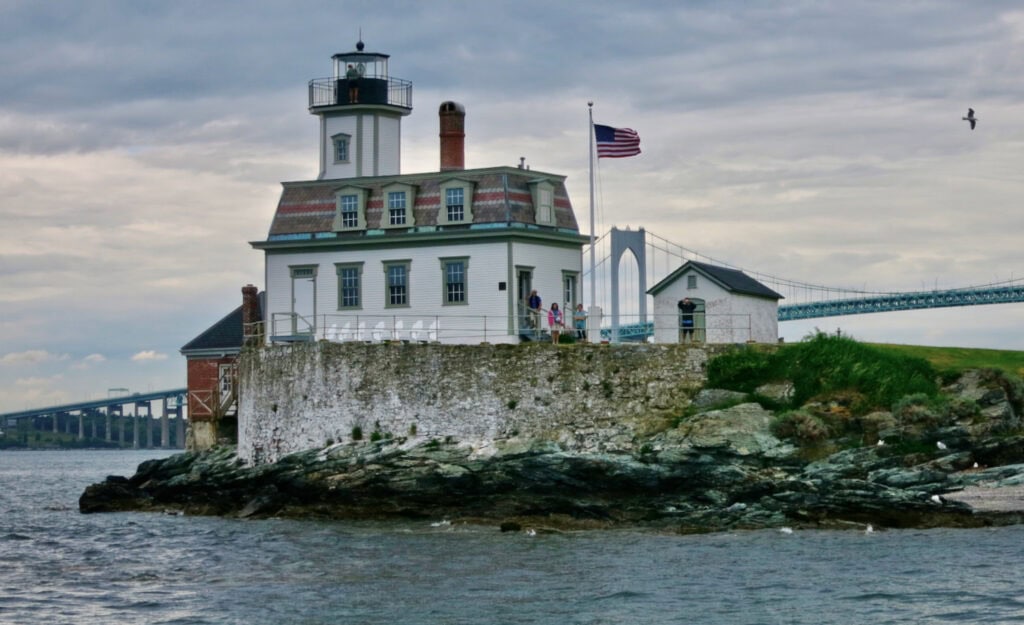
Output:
(360, 109)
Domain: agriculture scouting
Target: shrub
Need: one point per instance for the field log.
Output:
(357, 433)
(375, 436)
(801, 426)
(741, 370)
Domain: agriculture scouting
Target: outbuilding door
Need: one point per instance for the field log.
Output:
(699, 323)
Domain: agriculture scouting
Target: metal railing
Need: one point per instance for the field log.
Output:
(377, 328)
(707, 328)
(324, 92)
(469, 329)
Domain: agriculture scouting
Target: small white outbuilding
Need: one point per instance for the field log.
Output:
(730, 306)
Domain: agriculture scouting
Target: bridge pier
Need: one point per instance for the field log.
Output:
(108, 421)
(180, 429)
(165, 427)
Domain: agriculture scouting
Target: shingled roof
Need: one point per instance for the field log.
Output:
(223, 336)
(732, 280)
(500, 195)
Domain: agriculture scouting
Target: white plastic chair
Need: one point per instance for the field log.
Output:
(434, 327)
(398, 331)
(361, 331)
(332, 332)
(417, 330)
(346, 332)
(378, 332)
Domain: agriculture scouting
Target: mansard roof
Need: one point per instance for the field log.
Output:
(500, 195)
(732, 280)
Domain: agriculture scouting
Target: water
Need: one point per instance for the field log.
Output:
(59, 566)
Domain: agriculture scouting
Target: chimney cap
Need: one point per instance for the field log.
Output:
(451, 107)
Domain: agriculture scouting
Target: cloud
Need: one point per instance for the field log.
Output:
(148, 355)
(31, 357)
(89, 361)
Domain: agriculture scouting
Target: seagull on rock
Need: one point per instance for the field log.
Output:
(971, 118)
(940, 445)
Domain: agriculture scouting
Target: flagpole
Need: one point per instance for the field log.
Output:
(593, 266)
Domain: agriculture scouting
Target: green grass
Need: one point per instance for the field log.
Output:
(960, 358)
(824, 365)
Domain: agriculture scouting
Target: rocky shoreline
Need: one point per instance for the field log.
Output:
(955, 459)
(721, 469)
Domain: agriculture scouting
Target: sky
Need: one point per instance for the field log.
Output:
(143, 143)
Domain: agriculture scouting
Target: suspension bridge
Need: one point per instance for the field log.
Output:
(646, 259)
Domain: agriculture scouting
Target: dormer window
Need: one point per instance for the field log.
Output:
(350, 209)
(396, 208)
(398, 202)
(456, 202)
(543, 202)
(341, 145)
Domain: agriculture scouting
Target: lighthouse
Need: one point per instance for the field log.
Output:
(360, 107)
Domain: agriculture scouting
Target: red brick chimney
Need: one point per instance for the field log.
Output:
(453, 136)
(251, 315)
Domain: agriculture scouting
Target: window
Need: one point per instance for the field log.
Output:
(454, 272)
(456, 202)
(397, 276)
(453, 202)
(396, 208)
(543, 202)
(350, 209)
(349, 285)
(544, 209)
(398, 200)
(569, 291)
(691, 282)
(341, 143)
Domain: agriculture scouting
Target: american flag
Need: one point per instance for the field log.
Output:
(616, 142)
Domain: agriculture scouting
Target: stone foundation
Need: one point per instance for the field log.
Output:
(584, 397)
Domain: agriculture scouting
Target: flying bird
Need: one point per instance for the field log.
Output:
(971, 118)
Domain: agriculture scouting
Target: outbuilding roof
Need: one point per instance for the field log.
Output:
(732, 280)
(225, 336)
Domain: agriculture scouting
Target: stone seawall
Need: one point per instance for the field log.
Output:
(584, 397)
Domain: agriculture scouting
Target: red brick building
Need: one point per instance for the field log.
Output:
(212, 372)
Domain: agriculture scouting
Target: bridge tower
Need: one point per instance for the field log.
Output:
(360, 109)
(621, 242)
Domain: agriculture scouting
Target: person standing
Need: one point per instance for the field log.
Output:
(533, 304)
(579, 321)
(555, 322)
(352, 77)
(686, 308)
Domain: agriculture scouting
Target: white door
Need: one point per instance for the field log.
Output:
(303, 299)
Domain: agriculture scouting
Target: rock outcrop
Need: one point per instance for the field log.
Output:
(720, 468)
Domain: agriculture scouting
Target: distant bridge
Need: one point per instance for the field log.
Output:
(652, 258)
(99, 419)
(892, 302)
